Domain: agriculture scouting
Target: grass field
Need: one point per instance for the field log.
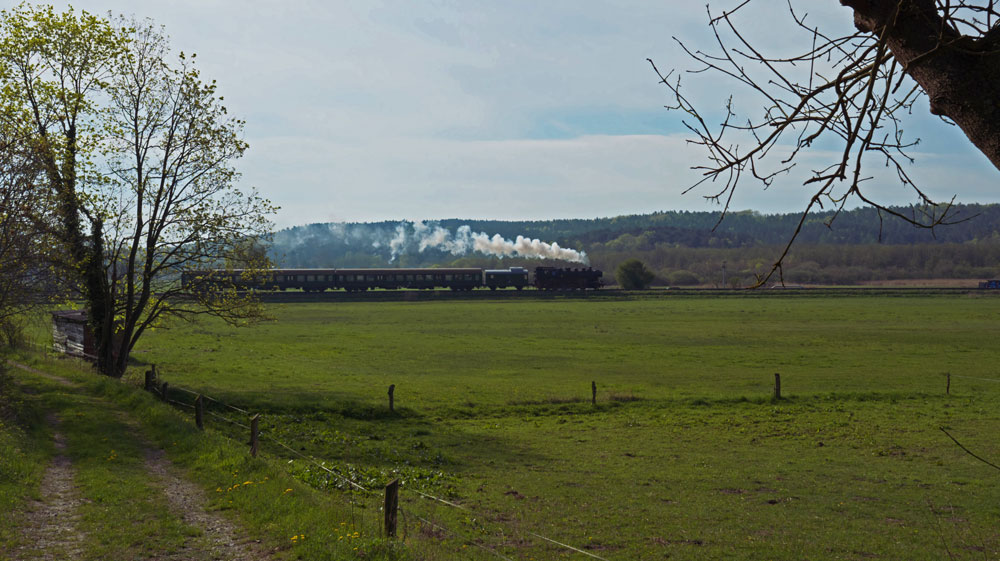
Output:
(685, 455)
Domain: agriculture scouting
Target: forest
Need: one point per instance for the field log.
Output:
(691, 248)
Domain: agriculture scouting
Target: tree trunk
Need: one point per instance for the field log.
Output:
(959, 74)
(100, 301)
(87, 261)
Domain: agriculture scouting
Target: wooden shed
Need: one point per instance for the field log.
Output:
(71, 334)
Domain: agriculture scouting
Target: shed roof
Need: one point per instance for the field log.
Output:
(73, 316)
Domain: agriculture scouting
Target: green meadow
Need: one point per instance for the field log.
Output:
(686, 455)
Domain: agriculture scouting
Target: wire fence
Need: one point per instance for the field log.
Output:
(411, 510)
(163, 390)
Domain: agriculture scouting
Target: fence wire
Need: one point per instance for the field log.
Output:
(975, 378)
(456, 535)
(360, 487)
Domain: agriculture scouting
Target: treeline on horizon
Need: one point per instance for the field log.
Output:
(690, 248)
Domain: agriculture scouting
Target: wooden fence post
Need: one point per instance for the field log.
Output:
(391, 506)
(163, 391)
(947, 387)
(199, 412)
(392, 388)
(254, 433)
(593, 393)
(777, 386)
(148, 385)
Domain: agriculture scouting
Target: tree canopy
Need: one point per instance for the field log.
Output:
(135, 157)
(633, 275)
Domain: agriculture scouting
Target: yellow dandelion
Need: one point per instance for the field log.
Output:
(287, 491)
(248, 482)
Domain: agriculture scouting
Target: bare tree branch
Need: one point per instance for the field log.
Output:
(854, 91)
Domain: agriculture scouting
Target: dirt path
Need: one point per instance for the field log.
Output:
(187, 501)
(49, 527)
(57, 379)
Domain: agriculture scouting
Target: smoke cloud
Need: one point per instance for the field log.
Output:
(333, 244)
(425, 236)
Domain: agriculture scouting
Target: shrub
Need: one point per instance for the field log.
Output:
(633, 275)
(683, 278)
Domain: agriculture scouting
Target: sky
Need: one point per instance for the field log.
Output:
(512, 110)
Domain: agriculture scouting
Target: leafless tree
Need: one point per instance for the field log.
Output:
(849, 90)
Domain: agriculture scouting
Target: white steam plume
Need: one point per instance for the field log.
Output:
(464, 240)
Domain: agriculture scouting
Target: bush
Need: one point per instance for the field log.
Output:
(12, 332)
(683, 278)
(633, 275)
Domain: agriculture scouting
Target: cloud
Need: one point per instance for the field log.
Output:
(371, 110)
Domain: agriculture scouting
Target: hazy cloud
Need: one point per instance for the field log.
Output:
(371, 110)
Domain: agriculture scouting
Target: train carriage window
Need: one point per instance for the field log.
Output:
(448, 277)
(300, 278)
(311, 278)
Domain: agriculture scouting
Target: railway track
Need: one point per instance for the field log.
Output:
(290, 297)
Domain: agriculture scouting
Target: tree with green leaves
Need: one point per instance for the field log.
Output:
(633, 275)
(137, 153)
(26, 272)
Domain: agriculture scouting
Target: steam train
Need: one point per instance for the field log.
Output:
(356, 280)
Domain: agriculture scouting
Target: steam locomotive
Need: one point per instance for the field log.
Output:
(356, 280)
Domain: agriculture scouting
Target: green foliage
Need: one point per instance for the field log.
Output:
(633, 275)
(857, 248)
(683, 278)
(136, 153)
